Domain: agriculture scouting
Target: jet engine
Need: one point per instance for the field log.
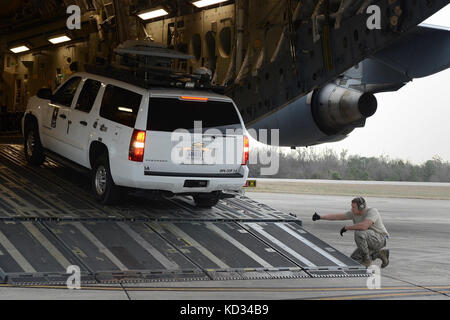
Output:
(325, 115)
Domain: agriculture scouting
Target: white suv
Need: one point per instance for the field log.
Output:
(126, 135)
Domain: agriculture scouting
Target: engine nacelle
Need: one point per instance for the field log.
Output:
(325, 115)
(336, 109)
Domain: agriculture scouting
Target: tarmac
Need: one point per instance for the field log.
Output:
(419, 266)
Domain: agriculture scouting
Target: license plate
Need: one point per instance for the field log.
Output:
(196, 156)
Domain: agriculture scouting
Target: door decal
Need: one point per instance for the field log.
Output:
(55, 117)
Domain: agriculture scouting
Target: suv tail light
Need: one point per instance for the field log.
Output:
(137, 146)
(200, 99)
(246, 151)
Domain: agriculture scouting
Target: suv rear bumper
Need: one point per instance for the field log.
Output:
(135, 177)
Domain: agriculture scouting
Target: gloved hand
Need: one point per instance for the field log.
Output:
(343, 230)
(316, 217)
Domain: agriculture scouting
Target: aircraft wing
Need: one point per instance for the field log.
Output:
(420, 53)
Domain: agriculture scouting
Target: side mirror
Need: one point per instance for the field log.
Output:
(45, 94)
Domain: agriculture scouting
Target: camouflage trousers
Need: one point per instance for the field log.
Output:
(369, 243)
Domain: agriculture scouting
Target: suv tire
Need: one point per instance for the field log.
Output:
(205, 201)
(34, 152)
(103, 186)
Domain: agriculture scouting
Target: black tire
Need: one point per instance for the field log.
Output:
(34, 152)
(202, 201)
(103, 186)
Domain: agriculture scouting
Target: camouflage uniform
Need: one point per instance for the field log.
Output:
(370, 241)
(369, 244)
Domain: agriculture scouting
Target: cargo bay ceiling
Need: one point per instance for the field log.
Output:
(268, 52)
(22, 15)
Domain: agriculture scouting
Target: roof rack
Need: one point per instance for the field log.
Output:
(148, 65)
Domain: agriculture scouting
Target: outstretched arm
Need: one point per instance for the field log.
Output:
(331, 217)
(335, 217)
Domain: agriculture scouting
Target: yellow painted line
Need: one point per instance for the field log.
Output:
(59, 287)
(265, 289)
(386, 295)
(93, 288)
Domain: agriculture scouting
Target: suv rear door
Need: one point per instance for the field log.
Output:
(117, 119)
(82, 122)
(193, 137)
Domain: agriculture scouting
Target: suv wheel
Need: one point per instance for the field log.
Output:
(34, 152)
(202, 201)
(105, 190)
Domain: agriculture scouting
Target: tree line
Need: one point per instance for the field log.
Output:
(307, 163)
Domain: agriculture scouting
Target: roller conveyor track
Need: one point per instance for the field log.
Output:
(49, 221)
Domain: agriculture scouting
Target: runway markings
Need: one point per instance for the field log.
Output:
(386, 295)
(235, 289)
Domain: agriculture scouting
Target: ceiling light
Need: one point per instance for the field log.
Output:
(205, 3)
(59, 39)
(20, 49)
(154, 13)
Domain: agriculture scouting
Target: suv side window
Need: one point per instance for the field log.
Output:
(88, 95)
(120, 105)
(64, 96)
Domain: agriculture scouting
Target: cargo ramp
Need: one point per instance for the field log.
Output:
(49, 221)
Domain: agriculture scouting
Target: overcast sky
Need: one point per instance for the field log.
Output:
(411, 124)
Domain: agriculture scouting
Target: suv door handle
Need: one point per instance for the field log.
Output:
(84, 123)
(63, 116)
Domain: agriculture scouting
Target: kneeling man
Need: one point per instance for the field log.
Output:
(370, 232)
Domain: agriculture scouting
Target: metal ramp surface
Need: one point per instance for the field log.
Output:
(49, 221)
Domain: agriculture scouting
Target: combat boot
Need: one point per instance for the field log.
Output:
(367, 262)
(384, 256)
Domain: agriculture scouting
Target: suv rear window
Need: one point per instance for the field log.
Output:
(120, 105)
(168, 115)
